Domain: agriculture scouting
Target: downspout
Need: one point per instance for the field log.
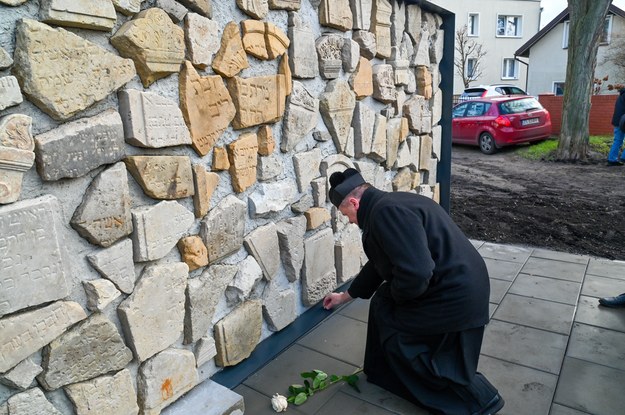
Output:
(527, 70)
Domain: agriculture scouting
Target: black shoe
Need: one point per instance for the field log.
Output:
(615, 163)
(618, 301)
(493, 406)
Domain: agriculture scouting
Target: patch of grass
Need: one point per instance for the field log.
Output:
(599, 145)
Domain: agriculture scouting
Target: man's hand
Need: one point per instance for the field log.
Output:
(335, 299)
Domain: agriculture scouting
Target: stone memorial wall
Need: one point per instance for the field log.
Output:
(164, 174)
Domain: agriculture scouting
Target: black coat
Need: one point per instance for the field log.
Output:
(619, 108)
(437, 282)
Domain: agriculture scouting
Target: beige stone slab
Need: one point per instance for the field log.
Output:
(203, 7)
(193, 252)
(315, 217)
(237, 334)
(329, 47)
(381, 27)
(254, 38)
(100, 293)
(16, 132)
(13, 2)
(202, 39)
(285, 69)
(337, 105)
(10, 93)
(86, 14)
(258, 100)
(162, 177)
(25, 333)
(127, 7)
(277, 41)
(361, 10)
(384, 83)
(206, 106)
(367, 43)
(22, 376)
(16, 155)
(242, 154)
(72, 85)
(223, 228)
(31, 402)
(220, 159)
(230, 58)
(5, 59)
(336, 14)
(361, 80)
(154, 42)
(319, 274)
(205, 183)
(285, 4)
(424, 81)
(302, 115)
(258, 9)
(105, 395)
(266, 143)
(302, 52)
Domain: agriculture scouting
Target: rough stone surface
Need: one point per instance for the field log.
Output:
(76, 148)
(5, 59)
(204, 350)
(272, 197)
(205, 183)
(366, 41)
(242, 155)
(203, 294)
(350, 53)
(92, 348)
(302, 51)
(10, 93)
(318, 275)
(148, 326)
(424, 81)
(65, 89)
(208, 398)
(384, 83)
(203, 7)
(95, 15)
(306, 167)
(206, 106)
(115, 264)
(337, 109)
(269, 167)
(258, 9)
(347, 253)
(417, 111)
(425, 153)
(381, 27)
(291, 240)
(262, 244)
(258, 100)
(28, 226)
(202, 39)
(266, 142)
(230, 58)
(302, 115)
(245, 281)
(378, 145)
(16, 155)
(393, 130)
(105, 395)
(157, 229)
(153, 42)
(127, 7)
(100, 293)
(320, 191)
(237, 334)
(164, 378)
(264, 40)
(25, 333)
(315, 217)
(220, 159)
(361, 10)
(104, 217)
(279, 307)
(193, 252)
(336, 14)
(223, 228)
(175, 10)
(361, 80)
(363, 124)
(21, 377)
(329, 47)
(162, 177)
(284, 4)
(151, 120)
(413, 22)
(31, 402)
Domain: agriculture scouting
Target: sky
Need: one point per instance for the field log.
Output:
(551, 8)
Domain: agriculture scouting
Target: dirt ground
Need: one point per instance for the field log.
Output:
(503, 198)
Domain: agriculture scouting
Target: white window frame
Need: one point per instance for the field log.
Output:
(565, 34)
(607, 32)
(471, 73)
(501, 31)
(554, 87)
(504, 67)
(476, 16)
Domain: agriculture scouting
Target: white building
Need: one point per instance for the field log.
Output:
(546, 53)
(502, 27)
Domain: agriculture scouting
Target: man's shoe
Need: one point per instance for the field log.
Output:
(618, 301)
(615, 163)
(493, 406)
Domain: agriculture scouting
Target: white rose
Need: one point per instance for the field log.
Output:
(279, 403)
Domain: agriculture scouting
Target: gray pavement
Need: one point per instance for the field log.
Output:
(549, 348)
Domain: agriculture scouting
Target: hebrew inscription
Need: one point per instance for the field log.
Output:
(32, 263)
(302, 51)
(93, 14)
(258, 100)
(243, 160)
(223, 228)
(162, 177)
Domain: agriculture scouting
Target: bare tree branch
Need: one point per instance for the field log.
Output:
(467, 48)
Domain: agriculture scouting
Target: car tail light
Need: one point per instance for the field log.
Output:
(501, 121)
(547, 116)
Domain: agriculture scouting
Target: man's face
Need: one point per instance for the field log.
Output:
(349, 208)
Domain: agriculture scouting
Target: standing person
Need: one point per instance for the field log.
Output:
(430, 291)
(619, 110)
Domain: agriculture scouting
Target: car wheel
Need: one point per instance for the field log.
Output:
(487, 144)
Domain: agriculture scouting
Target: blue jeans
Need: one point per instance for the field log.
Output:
(616, 145)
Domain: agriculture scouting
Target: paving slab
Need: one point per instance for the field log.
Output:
(344, 404)
(597, 345)
(536, 313)
(546, 288)
(563, 410)
(590, 387)
(502, 270)
(358, 309)
(258, 404)
(614, 269)
(589, 312)
(554, 269)
(560, 256)
(595, 286)
(498, 289)
(505, 252)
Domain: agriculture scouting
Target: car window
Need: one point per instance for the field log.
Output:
(477, 108)
(510, 90)
(519, 105)
(459, 110)
(473, 92)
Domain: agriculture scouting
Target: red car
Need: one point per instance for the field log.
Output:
(491, 123)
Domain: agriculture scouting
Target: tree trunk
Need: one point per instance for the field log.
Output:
(585, 28)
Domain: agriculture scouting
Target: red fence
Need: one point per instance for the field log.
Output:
(601, 109)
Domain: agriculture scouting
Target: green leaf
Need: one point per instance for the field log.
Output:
(320, 374)
(334, 378)
(316, 382)
(290, 399)
(295, 389)
(308, 374)
(323, 384)
(307, 383)
(300, 398)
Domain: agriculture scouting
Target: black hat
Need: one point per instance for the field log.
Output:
(342, 183)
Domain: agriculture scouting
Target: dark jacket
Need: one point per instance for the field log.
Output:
(619, 108)
(436, 281)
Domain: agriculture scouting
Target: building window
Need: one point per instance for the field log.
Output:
(509, 26)
(510, 69)
(471, 68)
(473, 27)
(558, 88)
(605, 35)
(607, 30)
